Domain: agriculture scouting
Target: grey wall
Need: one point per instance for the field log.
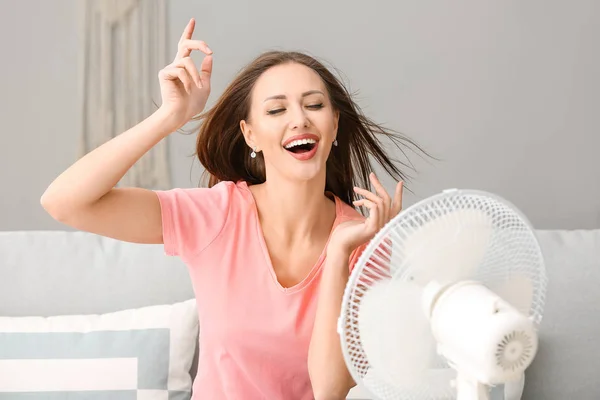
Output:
(506, 93)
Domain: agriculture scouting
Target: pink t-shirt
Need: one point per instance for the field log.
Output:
(254, 333)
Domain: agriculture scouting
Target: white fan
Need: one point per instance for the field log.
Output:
(445, 301)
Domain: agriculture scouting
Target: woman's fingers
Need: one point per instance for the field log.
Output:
(373, 222)
(174, 73)
(387, 201)
(186, 79)
(397, 203)
(188, 30)
(186, 36)
(381, 191)
(190, 67)
(388, 207)
(186, 45)
(206, 71)
(185, 70)
(184, 49)
(378, 201)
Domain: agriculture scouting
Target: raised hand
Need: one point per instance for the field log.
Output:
(382, 208)
(184, 89)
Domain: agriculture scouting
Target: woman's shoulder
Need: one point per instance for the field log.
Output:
(223, 195)
(220, 188)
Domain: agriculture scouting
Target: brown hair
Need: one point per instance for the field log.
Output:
(223, 152)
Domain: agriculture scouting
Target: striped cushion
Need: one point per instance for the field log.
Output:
(143, 354)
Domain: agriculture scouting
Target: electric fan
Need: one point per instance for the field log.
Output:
(445, 301)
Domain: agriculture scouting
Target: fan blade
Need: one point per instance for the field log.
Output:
(448, 248)
(516, 290)
(395, 332)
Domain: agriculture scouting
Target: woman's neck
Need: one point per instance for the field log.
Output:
(295, 210)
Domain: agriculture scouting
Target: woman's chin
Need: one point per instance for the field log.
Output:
(292, 170)
(306, 173)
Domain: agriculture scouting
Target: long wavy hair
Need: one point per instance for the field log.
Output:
(223, 152)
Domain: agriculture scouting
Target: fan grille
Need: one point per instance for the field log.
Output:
(512, 250)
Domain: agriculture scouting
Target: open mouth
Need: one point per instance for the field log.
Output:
(301, 146)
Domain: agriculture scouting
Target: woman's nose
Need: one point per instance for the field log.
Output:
(299, 118)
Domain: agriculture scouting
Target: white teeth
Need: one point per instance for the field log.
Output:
(299, 143)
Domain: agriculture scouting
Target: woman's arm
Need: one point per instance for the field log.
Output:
(328, 372)
(84, 196)
(329, 375)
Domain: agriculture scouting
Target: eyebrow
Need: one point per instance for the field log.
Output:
(282, 96)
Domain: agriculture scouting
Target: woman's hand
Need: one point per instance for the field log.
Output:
(184, 90)
(349, 235)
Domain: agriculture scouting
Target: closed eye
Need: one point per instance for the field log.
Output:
(280, 110)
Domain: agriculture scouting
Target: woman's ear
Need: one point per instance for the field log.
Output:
(247, 132)
(336, 121)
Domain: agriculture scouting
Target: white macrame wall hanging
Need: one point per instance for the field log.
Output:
(123, 48)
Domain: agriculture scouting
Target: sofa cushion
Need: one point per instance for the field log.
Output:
(46, 273)
(566, 365)
(143, 354)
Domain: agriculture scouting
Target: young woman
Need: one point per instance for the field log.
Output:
(271, 242)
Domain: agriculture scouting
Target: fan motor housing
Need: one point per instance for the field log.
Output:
(480, 333)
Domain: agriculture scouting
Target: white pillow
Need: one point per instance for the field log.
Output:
(143, 354)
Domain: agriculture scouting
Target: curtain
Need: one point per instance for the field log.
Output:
(123, 48)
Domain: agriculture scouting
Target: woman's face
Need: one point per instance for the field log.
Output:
(291, 121)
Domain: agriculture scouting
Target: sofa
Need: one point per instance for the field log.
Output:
(102, 292)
